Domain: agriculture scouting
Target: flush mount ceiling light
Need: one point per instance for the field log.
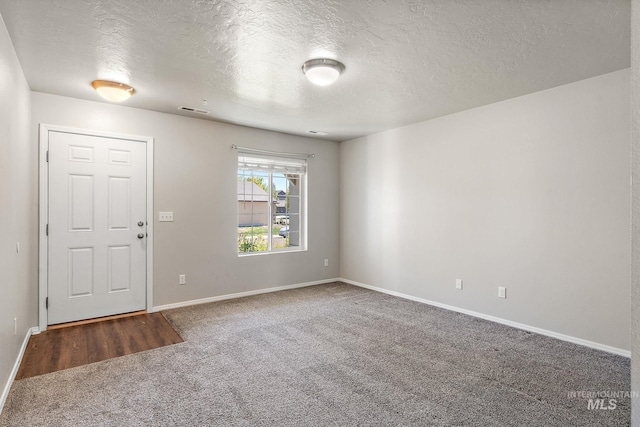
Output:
(322, 72)
(112, 91)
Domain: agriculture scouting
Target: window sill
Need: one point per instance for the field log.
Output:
(283, 251)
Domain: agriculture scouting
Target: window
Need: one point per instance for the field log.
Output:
(271, 193)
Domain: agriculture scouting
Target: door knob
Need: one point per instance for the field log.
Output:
(140, 235)
(140, 223)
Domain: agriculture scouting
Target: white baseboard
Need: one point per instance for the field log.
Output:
(241, 294)
(16, 366)
(568, 338)
(563, 337)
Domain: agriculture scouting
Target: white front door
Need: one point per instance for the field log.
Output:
(97, 229)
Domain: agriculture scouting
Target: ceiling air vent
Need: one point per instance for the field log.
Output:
(193, 110)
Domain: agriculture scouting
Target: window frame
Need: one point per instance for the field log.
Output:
(271, 205)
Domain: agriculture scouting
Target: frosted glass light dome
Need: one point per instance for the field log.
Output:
(322, 72)
(112, 91)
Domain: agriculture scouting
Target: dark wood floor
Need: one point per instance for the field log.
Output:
(57, 349)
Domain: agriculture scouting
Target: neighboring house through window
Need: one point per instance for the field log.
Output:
(271, 193)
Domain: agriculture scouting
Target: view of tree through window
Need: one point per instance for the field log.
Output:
(269, 204)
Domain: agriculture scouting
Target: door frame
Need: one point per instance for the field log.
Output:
(43, 211)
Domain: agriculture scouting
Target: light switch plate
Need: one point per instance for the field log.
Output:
(166, 217)
(459, 284)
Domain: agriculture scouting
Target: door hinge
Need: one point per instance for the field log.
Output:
(47, 156)
(47, 230)
(46, 303)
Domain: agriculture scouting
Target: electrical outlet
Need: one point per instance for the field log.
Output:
(15, 326)
(182, 279)
(326, 262)
(502, 292)
(165, 216)
(459, 284)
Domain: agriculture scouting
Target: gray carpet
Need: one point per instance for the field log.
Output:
(331, 355)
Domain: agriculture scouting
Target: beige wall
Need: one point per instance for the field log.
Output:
(196, 178)
(530, 193)
(18, 210)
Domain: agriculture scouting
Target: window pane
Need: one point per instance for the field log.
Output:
(288, 187)
(253, 211)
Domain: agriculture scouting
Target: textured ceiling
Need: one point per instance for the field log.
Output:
(406, 61)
